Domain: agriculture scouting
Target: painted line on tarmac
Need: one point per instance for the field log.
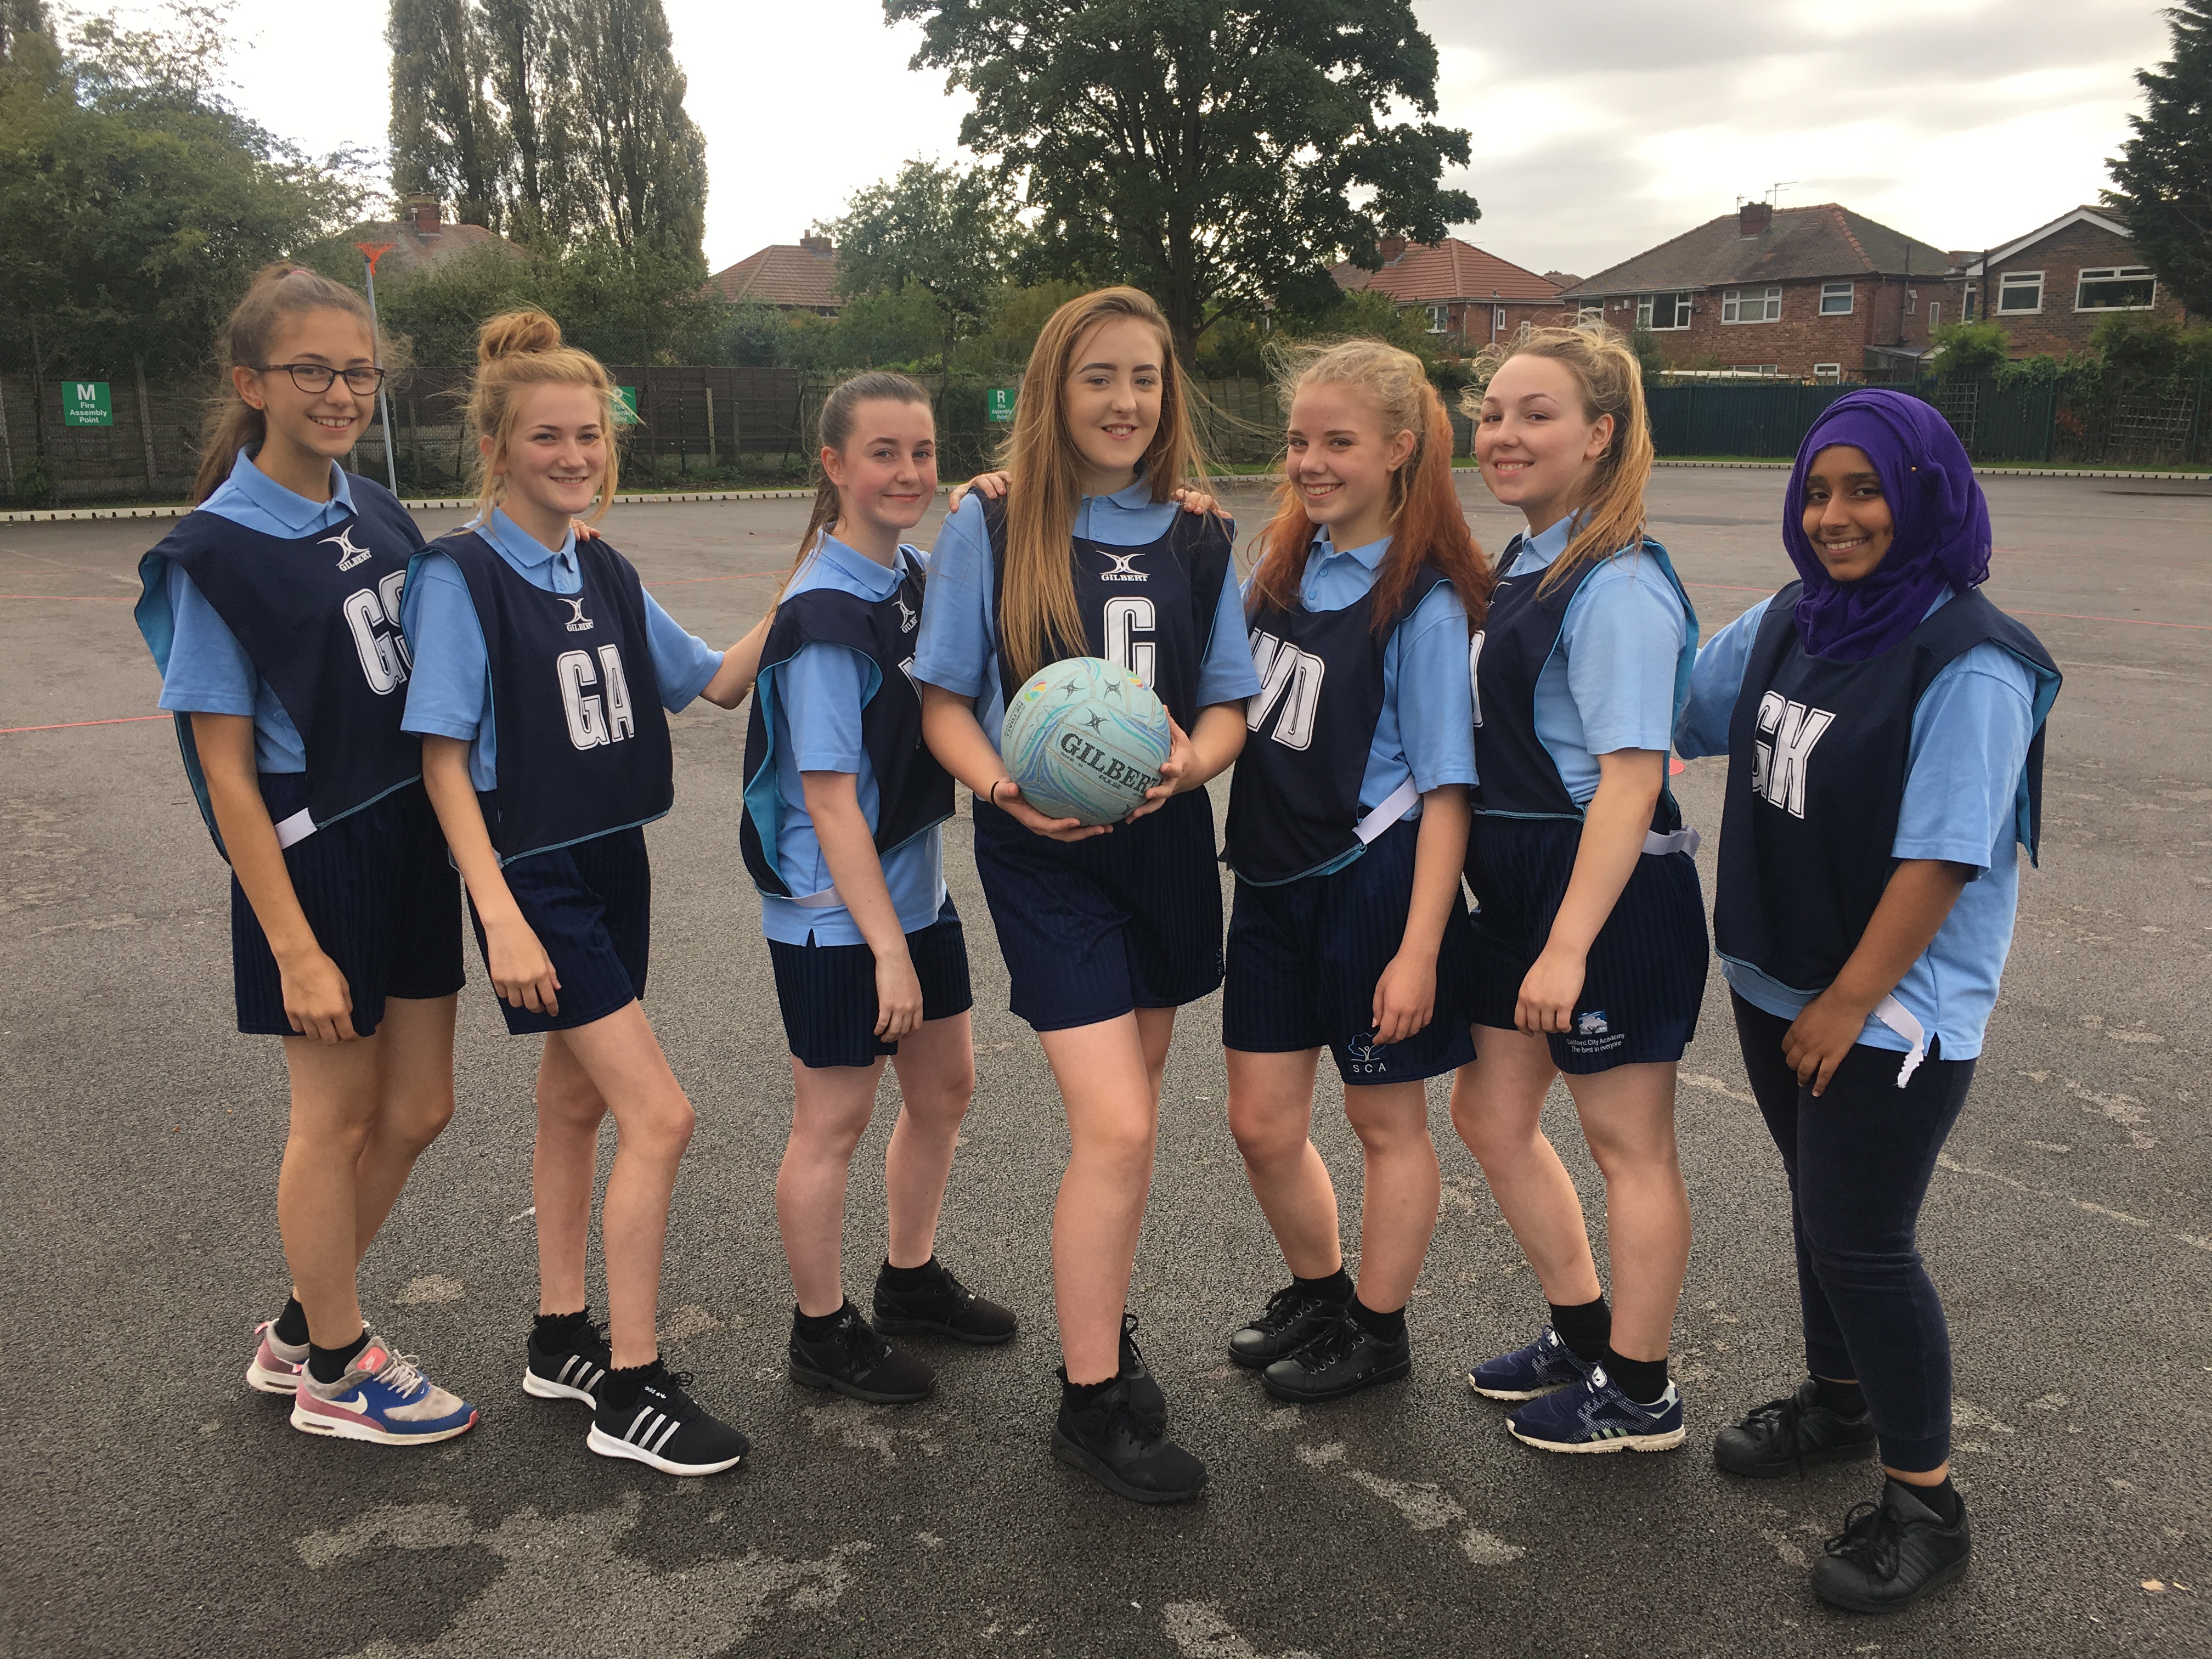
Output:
(70, 725)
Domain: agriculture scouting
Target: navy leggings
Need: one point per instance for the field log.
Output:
(1860, 1157)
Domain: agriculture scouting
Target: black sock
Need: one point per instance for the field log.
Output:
(1942, 1497)
(1844, 1398)
(811, 1329)
(1390, 1327)
(909, 1278)
(1644, 1381)
(1586, 1328)
(557, 1333)
(328, 1365)
(1335, 1287)
(620, 1388)
(1082, 1394)
(291, 1327)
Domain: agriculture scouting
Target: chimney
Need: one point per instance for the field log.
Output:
(821, 245)
(419, 213)
(1394, 249)
(1753, 218)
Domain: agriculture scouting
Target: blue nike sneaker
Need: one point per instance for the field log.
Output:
(1545, 1364)
(1597, 1417)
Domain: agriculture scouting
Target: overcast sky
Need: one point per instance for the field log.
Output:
(1598, 130)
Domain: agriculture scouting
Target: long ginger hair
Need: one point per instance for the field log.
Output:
(1426, 524)
(1038, 617)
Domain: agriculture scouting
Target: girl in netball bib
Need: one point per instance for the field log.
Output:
(1347, 828)
(1883, 723)
(542, 669)
(843, 803)
(272, 611)
(1106, 931)
(1589, 930)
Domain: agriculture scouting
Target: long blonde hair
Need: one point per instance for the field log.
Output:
(1038, 617)
(516, 351)
(1609, 516)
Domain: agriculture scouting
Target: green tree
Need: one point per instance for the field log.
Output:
(444, 136)
(936, 228)
(1968, 351)
(17, 19)
(2162, 177)
(531, 77)
(645, 158)
(2152, 345)
(1221, 154)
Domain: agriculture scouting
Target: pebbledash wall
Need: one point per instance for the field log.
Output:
(2059, 323)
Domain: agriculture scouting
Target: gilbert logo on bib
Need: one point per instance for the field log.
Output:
(348, 554)
(1124, 568)
(578, 622)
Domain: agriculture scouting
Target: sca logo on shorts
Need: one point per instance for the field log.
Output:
(1366, 1055)
(1591, 1024)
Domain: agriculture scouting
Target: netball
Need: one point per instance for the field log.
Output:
(1084, 739)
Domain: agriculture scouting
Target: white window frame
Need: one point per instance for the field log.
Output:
(1934, 315)
(1439, 319)
(2010, 280)
(1767, 302)
(2115, 274)
(1828, 371)
(1647, 306)
(1590, 316)
(1767, 370)
(1849, 293)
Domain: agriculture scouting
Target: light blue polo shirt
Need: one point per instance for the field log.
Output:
(204, 670)
(1621, 668)
(1965, 798)
(449, 693)
(816, 699)
(956, 649)
(1425, 730)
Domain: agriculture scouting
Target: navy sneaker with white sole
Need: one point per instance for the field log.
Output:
(1530, 1372)
(1597, 1417)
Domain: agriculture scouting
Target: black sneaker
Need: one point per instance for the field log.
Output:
(667, 1429)
(943, 1307)
(853, 1361)
(571, 1373)
(1293, 1318)
(1122, 1447)
(1145, 1392)
(1784, 1435)
(1346, 1358)
(1890, 1554)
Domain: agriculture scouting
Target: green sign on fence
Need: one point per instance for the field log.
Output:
(1001, 400)
(627, 414)
(85, 402)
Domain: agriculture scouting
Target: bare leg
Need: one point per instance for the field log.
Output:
(830, 1108)
(415, 1088)
(1398, 1212)
(334, 1103)
(1497, 1105)
(1628, 1118)
(561, 1167)
(1271, 1115)
(936, 1068)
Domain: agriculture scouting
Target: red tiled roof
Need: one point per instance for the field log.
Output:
(1800, 243)
(1449, 269)
(783, 275)
(413, 252)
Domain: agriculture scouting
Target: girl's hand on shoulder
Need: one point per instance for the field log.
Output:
(1182, 758)
(317, 1000)
(1198, 501)
(583, 532)
(989, 485)
(898, 998)
(1818, 1038)
(1405, 997)
(1006, 795)
(1546, 1004)
(521, 972)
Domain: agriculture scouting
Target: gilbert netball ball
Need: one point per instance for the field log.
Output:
(1084, 740)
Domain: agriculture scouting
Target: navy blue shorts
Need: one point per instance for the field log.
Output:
(1092, 929)
(1645, 977)
(1305, 957)
(382, 898)
(827, 992)
(590, 906)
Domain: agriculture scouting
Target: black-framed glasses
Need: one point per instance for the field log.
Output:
(317, 377)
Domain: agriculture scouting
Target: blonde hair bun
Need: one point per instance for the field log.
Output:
(515, 333)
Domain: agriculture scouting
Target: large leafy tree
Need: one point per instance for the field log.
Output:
(646, 159)
(1221, 154)
(445, 137)
(2162, 177)
(19, 18)
(938, 229)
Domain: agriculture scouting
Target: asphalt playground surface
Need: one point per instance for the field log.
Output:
(150, 1504)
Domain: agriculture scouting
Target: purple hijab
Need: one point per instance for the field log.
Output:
(1942, 535)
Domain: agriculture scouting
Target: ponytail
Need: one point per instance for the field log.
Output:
(833, 430)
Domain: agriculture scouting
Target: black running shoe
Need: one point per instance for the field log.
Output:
(571, 1373)
(1122, 1447)
(1145, 1392)
(1346, 1358)
(853, 1361)
(1890, 1554)
(667, 1429)
(1293, 1318)
(1784, 1435)
(943, 1306)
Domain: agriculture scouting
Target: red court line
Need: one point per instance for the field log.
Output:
(81, 598)
(70, 725)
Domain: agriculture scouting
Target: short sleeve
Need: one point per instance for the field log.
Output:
(209, 672)
(682, 661)
(449, 689)
(1225, 673)
(1715, 684)
(1623, 633)
(820, 693)
(1436, 700)
(953, 647)
(1970, 739)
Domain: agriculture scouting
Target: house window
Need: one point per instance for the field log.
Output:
(1828, 371)
(2020, 291)
(1752, 368)
(1934, 315)
(1659, 311)
(1752, 305)
(1439, 319)
(1590, 316)
(1967, 303)
(1836, 298)
(2120, 288)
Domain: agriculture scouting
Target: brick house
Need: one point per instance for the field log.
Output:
(422, 240)
(1469, 297)
(790, 277)
(2051, 288)
(1818, 293)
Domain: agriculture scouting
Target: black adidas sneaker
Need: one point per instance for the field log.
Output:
(851, 1360)
(666, 1428)
(571, 1373)
(941, 1306)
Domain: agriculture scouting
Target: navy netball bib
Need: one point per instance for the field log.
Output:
(1294, 802)
(913, 792)
(1819, 752)
(1150, 608)
(318, 615)
(583, 741)
(1519, 778)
